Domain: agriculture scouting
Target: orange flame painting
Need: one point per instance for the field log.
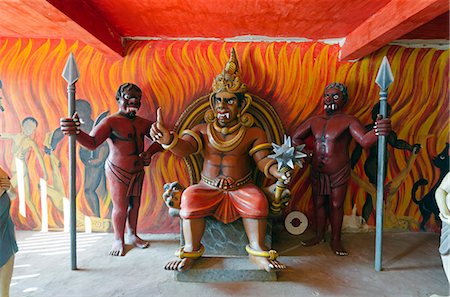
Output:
(172, 74)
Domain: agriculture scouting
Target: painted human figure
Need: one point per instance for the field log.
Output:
(125, 133)
(228, 141)
(332, 133)
(8, 245)
(93, 160)
(443, 201)
(23, 143)
(370, 165)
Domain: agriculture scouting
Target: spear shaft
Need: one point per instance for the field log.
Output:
(71, 75)
(384, 79)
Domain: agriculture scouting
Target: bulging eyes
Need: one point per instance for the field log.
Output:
(335, 96)
(230, 101)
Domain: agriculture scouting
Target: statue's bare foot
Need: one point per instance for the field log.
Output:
(138, 242)
(179, 264)
(313, 241)
(117, 248)
(338, 249)
(266, 264)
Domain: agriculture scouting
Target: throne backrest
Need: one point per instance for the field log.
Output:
(265, 117)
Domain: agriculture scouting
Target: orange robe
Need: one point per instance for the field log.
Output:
(202, 200)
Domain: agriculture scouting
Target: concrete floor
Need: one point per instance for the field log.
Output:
(411, 267)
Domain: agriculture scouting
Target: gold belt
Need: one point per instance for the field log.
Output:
(226, 183)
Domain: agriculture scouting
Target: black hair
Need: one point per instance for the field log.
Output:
(341, 87)
(125, 87)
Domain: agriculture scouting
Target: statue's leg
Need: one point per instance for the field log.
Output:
(336, 217)
(256, 231)
(120, 203)
(446, 265)
(6, 272)
(320, 215)
(193, 232)
(133, 212)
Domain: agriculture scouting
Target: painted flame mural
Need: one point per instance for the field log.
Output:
(172, 74)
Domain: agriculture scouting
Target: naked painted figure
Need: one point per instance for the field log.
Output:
(125, 133)
(228, 141)
(332, 133)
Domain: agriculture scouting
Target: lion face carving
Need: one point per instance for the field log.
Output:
(172, 197)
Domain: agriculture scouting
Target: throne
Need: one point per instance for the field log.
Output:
(219, 239)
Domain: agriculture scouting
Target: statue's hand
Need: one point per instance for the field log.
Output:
(158, 132)
(70, 126)
(5, 183)
(284, 175)
(382, 126)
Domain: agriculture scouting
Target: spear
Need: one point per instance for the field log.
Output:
(71, 75)
(383, 80)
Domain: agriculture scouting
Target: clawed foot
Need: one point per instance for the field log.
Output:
(179, 264)
(313, 241)
(138, 242)
(337, 248)
(117, 248)
(266, 264)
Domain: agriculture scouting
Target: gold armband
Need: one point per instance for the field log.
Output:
(197, 139)
(267, 167)
(260, 147)
(173, 143)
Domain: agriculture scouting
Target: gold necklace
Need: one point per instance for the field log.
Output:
(226, 130)
(225, 146)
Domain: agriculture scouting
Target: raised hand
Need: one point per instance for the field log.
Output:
(158, 132)
(70, 126)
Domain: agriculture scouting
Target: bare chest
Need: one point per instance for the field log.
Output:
(330, 128)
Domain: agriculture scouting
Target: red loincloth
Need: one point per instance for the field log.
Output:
(323, 183)
(202, 200)
(133, 181)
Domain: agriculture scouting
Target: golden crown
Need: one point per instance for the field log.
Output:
(230, 78)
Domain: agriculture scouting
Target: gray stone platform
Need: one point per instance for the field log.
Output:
(227, 240)
(234, 269)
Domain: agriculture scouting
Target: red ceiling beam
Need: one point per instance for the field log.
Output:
(106, 39)
(391, 22)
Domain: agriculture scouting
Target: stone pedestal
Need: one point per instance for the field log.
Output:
(215, 269)
(227, 240)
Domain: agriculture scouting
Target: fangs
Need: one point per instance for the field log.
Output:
(223, 115)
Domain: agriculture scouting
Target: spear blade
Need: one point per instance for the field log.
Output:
(385, 76)
(70, 72)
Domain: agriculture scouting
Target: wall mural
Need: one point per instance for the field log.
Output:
(290, 76)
